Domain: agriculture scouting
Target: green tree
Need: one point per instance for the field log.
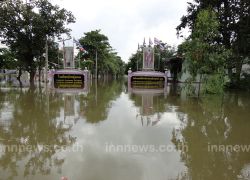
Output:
(233, 18)
(160, 55)
(108, 61)
(96, 44)
(203, 56)
(55, 57)
(26, 26)
(134, 62)
(7, 59)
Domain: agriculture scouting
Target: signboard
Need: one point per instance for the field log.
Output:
(147, 82)
(69, 57)
(69, 81)
(148, 58)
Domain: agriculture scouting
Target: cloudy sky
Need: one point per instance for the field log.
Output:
(127, 22)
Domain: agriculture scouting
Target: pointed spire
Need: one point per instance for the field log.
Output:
(150, 42)
(144, 42)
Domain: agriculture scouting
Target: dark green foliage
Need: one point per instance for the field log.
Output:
(26, 26)
(7, 59)
(233, 27)
(108, 62)
(160, 56)
(203, 56)
(213, 84)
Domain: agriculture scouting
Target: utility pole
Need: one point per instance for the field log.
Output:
(159, 61)
(73, 63)
(58, 57)
(96, 64)
(137, 60)
(96, 76)
(79, 63)
(46, 61)
(64, 60)
(138, 56)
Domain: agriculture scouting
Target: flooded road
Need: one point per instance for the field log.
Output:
(110, 133)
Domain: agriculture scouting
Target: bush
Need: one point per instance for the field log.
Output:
(213, 84)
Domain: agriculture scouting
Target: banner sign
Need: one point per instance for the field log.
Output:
(148, 58)
(69, 81)
(147, 82)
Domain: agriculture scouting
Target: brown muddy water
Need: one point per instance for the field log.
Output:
(110, 133)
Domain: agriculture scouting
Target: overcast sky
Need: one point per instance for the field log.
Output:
(127, 22)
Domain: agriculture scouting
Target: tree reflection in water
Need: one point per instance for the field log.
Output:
(99, 100)
(214, 121)
(36, 118)
(32, 125)
(43, 121)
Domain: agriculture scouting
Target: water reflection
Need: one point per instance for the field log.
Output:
(100, 99)
(42, 120)
(50, 122)
(30, 123)
(217, 122)
(10, 80)
(151, 105)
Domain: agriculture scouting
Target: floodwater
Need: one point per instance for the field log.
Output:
(109, 132)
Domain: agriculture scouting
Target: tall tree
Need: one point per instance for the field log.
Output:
(55, 57)
(234, 19)
(25, 28)
(202, 55)
(97, 44)
(160, 55)
(7, 59)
